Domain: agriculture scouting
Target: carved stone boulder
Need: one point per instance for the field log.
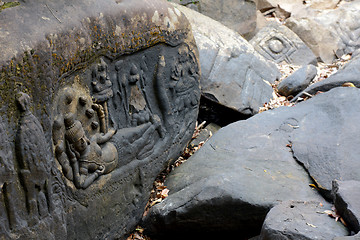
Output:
(98, 97)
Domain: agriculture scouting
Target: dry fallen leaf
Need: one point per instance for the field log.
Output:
(311, 225)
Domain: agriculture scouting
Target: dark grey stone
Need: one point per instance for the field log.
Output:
(279, 44)
(232, 72)
(349, 73)
(297, 81)
(98, 97)
(250, 166)
(326, 144)
(347, 204)
(300, 221)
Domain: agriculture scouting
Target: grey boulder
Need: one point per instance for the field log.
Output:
(300, 221)
(232, 72)
(297, 81)
(250, 166)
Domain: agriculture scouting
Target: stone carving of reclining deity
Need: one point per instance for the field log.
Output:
(84, 159)
(87, 158)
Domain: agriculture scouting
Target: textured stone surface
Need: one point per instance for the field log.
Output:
(329, 33)
(347, 195)
(278, 43)
(249, 166)
(300, 220)
(319, 39)
(297, 81)
(228, 66)
(98, 96)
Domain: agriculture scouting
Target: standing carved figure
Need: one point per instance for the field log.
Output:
(34, 161)
(102, 87)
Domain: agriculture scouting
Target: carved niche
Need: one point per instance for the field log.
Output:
(125, 109)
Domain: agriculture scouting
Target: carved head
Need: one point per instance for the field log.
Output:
(100, 73)
(74, 133)
(23, 101)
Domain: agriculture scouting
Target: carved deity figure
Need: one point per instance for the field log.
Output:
(89, 158)
(102, 87)
(34, 161)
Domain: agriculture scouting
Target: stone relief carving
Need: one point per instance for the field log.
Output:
(124, 113)
(34, 162)
(84, 152)
(277, 46)
(8, 218)
(348, 29)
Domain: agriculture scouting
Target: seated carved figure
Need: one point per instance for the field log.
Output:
(89, 158)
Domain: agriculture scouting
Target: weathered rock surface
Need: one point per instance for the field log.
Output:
(228, 66)
(248, 167)
(319, 39)
(347, 204)
(278, 43)
(329, 33)
(297, 81)
(97, 97)
(300, 220)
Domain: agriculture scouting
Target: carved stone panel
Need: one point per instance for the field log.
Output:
(279, 44)
(100, 98)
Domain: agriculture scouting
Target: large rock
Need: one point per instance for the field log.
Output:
(232, 71)
(300, 220)
(247, 167)
(97, 97)
(278, 43)
(347, 195)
